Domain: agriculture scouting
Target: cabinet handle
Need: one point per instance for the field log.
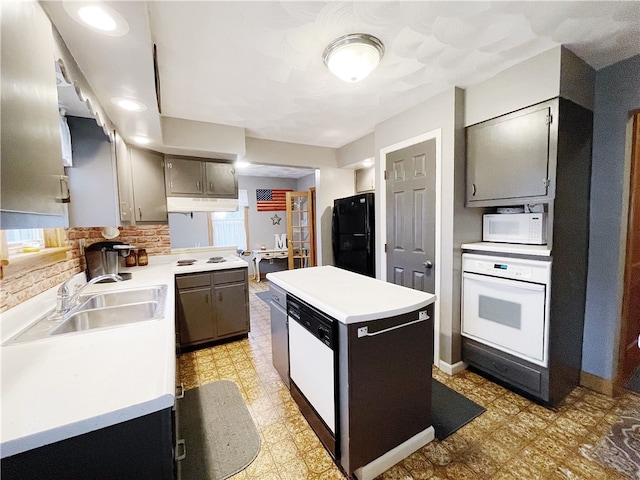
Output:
(198, 186)
(206, 299)
(211, 186)
(473, 192)
(181, 390)
(183, 444)
(65, 191)
(219, 296)
(140, 212)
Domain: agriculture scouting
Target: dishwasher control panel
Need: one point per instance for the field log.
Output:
(313, 320)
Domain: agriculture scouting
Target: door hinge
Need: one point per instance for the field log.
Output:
(385, 248)
(549, 119)
(546, 182)
(386, 175)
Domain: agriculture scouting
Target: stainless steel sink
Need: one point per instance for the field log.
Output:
(98, 311)
(109, 317)
(123, 297)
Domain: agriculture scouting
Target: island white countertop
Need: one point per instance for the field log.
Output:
(350, 297)
(67, 385)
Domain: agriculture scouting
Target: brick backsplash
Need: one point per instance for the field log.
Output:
(20, 286)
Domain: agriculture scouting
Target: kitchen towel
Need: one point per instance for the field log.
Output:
(220, 436)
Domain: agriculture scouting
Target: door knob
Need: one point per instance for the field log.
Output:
(428, 264)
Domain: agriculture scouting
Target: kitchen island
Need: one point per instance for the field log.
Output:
(64, 392)
(370, 344)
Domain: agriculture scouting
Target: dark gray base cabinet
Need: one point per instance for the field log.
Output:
(212, 306)
(141, 448)
(279, 332)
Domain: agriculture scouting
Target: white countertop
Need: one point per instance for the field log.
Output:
(350, 297)
(60, 387)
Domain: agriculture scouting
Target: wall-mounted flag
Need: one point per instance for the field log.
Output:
(268, 200)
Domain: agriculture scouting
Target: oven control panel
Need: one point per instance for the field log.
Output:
(537, 271)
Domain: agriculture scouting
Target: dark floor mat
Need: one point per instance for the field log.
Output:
(634, 382)
(450, 410)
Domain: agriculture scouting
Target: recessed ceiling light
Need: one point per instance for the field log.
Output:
(129, 104)
(353, 57)
(140, 140)
(242, 164)
(367, 163)
(97, 16)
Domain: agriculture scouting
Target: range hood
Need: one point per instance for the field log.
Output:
(194, 204)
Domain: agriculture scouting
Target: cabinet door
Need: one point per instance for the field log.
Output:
(148, 186)
(125, 188)
(184, 177)
(31, 153)
(195, 315)
(508, 157)
(221, 180)
(93, 176)
(232, 312)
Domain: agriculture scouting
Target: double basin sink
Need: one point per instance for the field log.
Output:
(99, 311)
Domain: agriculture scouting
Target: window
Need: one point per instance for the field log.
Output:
(229, 228)
(16, 238)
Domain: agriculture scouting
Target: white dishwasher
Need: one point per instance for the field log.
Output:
(312, 367)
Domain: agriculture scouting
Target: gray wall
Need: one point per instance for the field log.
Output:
(261, 227)
(617, 92)
(188, 230)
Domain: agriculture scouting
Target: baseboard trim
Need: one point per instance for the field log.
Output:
(452, 369)
(393, 456)
(598, 384)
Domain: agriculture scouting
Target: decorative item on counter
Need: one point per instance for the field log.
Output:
(263, 247)
(30, 247)
(110, 232)
(131, 260)
(143, 258)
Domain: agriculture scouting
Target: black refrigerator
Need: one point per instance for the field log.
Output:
(353, 234)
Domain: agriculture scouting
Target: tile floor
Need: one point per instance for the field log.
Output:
(513, 439)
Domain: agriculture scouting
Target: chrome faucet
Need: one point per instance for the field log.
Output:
(65, 301)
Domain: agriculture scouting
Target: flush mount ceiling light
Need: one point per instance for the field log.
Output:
(98, 17)
(353, 57)
(129, 104)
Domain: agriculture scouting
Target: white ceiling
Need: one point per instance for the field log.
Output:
(258, 65)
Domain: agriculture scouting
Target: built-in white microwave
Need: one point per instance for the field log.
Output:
(528, 228)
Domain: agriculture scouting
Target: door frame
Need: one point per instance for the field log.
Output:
(382, 222)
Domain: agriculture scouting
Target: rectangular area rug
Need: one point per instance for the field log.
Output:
(620, 449)
(264, 296)
(450, 410)
(220, 436)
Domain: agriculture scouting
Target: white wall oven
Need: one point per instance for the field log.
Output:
(505, 304)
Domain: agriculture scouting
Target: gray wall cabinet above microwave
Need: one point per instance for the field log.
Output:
(511, 159)
(34, 192)
(190, 177)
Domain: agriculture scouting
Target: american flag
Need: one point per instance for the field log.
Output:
(270, 200)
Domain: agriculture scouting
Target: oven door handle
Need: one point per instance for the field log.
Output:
(504, 281)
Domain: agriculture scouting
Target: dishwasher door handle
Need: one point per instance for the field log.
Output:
(364, 331)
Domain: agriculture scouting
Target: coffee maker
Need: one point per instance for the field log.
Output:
(104, 257)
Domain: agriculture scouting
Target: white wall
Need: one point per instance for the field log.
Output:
(331, 183)
(357, 151)
(270, 152)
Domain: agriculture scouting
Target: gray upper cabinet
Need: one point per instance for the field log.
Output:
(93, 175)
(32, 174)
(190, 177)
(221, 180)
(125, 183)
(147, 172)
(511, 158)
(183, 177)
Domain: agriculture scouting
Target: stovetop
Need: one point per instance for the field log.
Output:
(191, 261)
